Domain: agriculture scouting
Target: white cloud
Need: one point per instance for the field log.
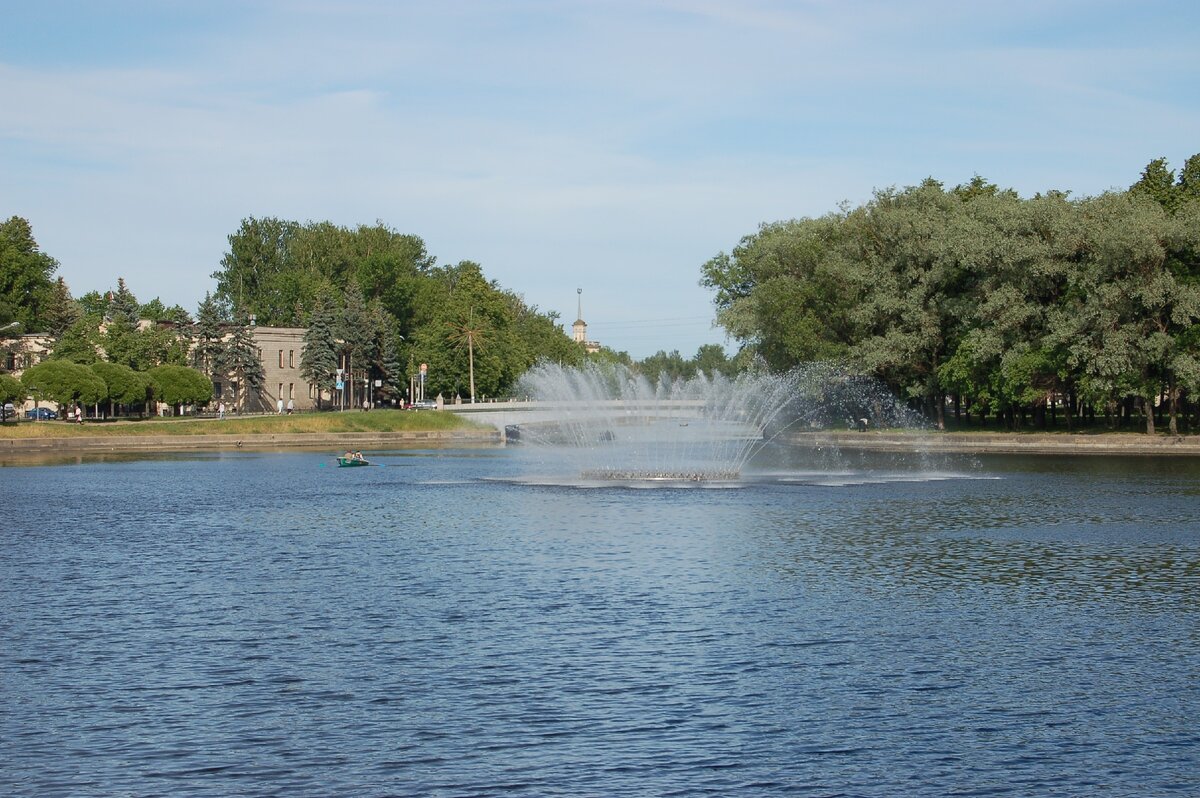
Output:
(609, 145)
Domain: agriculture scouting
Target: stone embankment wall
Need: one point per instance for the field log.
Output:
(1004, 442)
(184, 443)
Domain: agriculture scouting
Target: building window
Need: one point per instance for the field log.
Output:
(291, 358)
(291, 390)
(280, 394)
(280, 358)
(217, 390)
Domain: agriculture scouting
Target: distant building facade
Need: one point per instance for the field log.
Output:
(280, 350)
(579, 328)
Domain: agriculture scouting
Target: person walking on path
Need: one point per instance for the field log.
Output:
(279, 406)
(221, 411)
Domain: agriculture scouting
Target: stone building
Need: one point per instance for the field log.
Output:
(579, 329)
(279, 350)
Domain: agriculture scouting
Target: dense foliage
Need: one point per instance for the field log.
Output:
(389, 307)
(1002, 306)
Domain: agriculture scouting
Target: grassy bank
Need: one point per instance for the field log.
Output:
(300, 424)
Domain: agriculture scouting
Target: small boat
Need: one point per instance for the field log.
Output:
(351, 462)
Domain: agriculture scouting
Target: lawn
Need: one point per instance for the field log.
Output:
(300, 423)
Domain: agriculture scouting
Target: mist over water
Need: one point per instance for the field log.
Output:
(610, 423)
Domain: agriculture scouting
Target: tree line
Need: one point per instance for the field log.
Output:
(377, 305)
(997, 307)
(374, 304)
(103, 354)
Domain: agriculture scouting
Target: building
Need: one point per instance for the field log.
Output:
(579, 329)
(280, 350)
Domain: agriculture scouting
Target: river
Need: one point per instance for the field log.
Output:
(452, 623)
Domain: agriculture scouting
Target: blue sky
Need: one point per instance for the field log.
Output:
(608, 145)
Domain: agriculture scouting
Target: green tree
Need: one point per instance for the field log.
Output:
(917, 248)
(669, 365)
(208, 336)
(80, 342)
(1122, 327)
(319, 360)
(64, 383)
(94, 303)
(784, 291)
(1158, 183)
(26, 289)
(11, 390)
(180, 385)
(156, 311)
(357, 343)
(120, 338)
(1187, 189)
(61, 310)
(242, 362)
(712, 360)
(256, 275)
(469, 334)
(123, 385)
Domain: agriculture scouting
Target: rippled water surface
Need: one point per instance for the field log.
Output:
(266, 624)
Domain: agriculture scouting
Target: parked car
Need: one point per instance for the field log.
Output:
(41, 414)
(7, 411)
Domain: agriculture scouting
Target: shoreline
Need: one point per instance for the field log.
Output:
(229, 442)
(1086, 443)
(1102, 443)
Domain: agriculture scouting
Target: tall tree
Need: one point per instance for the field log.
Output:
(254, 273)
(469, 334)
(208, 336)
(319, 360)
(242, 362)
(124, 386)
(120, 339)
(25, 277)
(61, 311)
(79, 343)
(1158, 183)
(357, 343)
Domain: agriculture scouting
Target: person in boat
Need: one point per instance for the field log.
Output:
(349, 455)
(358, 456)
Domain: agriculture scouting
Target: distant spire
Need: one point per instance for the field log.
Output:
(579, 314)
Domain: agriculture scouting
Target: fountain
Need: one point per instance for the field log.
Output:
(611, 424)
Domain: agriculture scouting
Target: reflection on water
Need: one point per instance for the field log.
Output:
(448, 623)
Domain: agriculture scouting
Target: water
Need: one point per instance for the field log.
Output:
(610, 423)
(265, 624)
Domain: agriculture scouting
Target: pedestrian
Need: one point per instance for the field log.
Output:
(366, 405)
(79, 413)
(291, 406)
(279, 406)
(221, 411)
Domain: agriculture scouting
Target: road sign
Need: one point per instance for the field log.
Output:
(340, 385)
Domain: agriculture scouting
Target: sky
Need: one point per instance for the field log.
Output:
(612, 146)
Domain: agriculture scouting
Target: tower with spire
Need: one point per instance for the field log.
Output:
(579, 328)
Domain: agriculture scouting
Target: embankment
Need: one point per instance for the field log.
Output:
(337, 441)
(1004, 442)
